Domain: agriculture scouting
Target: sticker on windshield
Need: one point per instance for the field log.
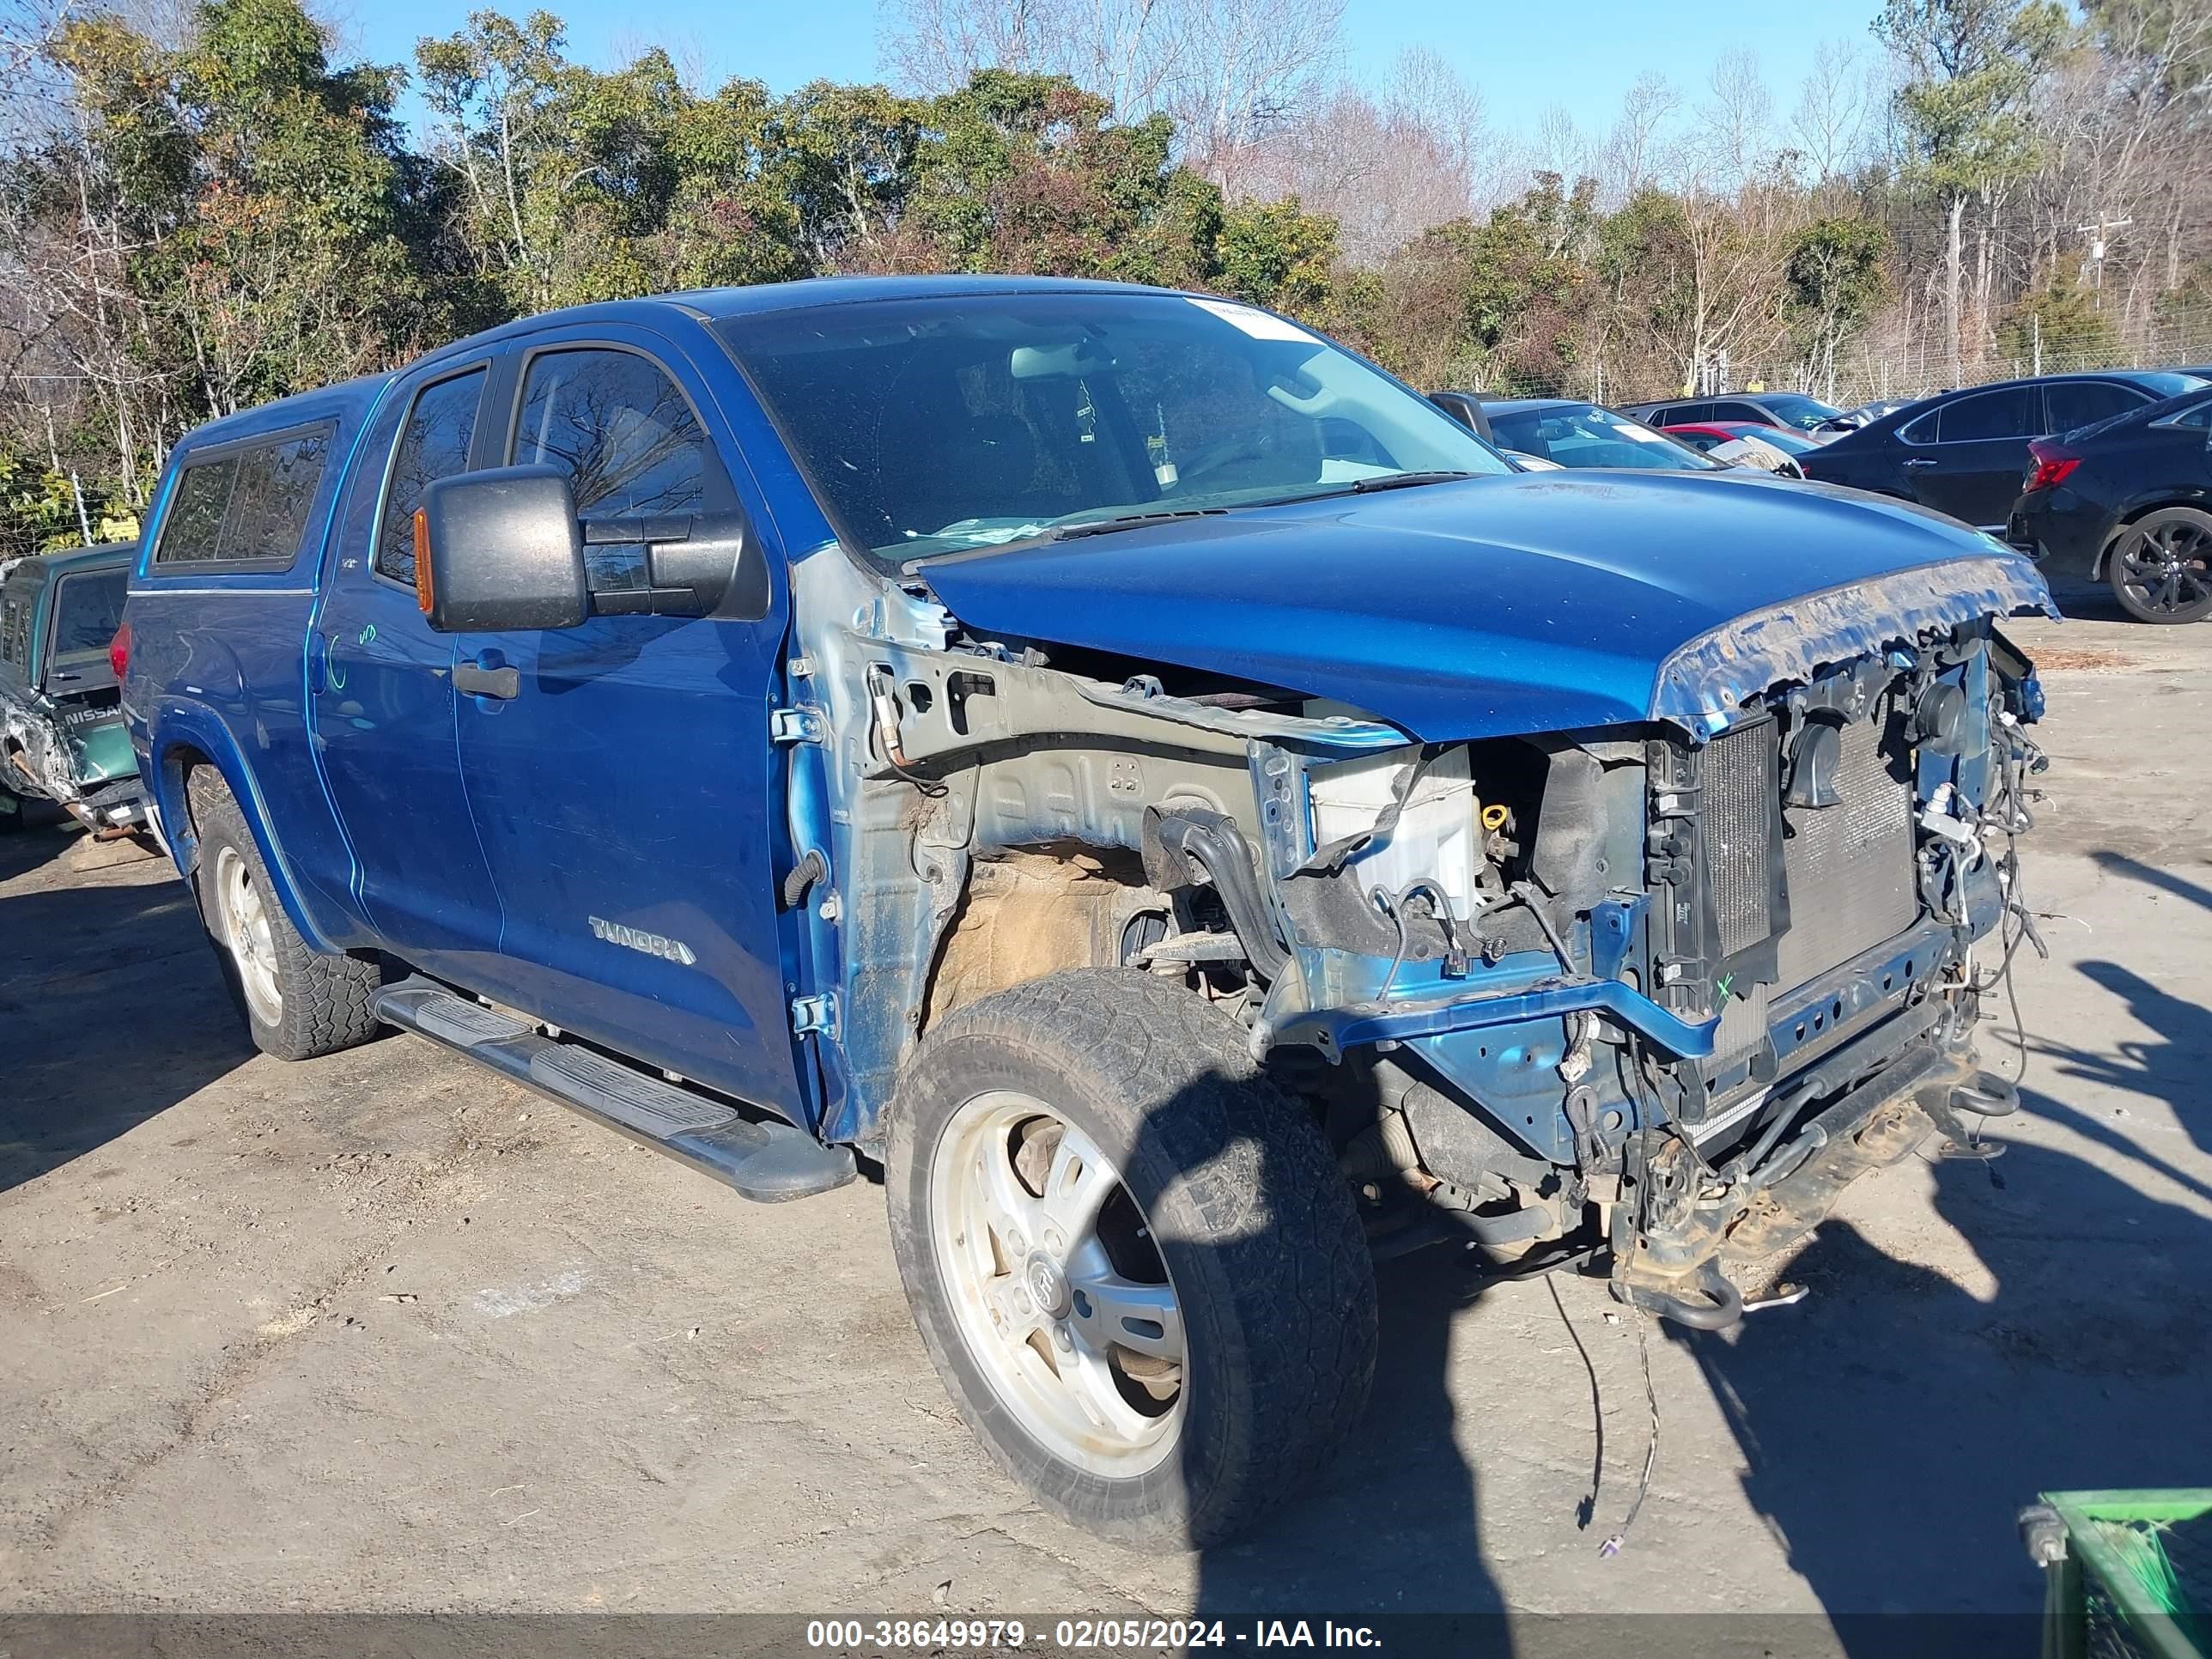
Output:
(1257, 324)
(1644, 434)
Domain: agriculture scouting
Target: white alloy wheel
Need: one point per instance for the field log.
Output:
(246, 936)
(1057, 1287)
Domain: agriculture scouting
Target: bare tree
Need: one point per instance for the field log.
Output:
(1833, 121)
(1633, 153)
(1735, 120)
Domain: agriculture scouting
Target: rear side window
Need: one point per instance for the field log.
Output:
(2083, 402)
(2008, 414)
(16, 626)
(247, 505)
(433, 445)
(2200, 417)
(1750, 412)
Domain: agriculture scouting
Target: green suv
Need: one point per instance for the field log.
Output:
(61, 736)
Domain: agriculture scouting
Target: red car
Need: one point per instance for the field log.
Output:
(1714, 438)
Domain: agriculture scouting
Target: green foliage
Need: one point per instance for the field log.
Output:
(1964, 109)
(2066, 320)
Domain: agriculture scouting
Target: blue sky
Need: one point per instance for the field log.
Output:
(1583, 54)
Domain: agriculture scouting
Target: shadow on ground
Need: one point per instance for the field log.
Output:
(1895, 1424)
(113, 1006)
(1393, 1528)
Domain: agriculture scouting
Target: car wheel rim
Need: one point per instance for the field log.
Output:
(2166, 569)
(245, 928)
(1057, 1287)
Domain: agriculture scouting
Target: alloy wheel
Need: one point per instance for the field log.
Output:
(1059, 1289)
(246, 935)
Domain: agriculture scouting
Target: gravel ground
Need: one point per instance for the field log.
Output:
(381, 1332)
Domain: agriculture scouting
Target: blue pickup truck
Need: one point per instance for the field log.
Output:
(1186, 815)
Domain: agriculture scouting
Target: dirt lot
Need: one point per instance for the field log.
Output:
(381, 1332)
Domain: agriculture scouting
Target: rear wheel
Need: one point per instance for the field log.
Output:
(1131, 1256)
(2161, 568)
(298, 1003)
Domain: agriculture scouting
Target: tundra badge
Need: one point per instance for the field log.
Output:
(675, 950)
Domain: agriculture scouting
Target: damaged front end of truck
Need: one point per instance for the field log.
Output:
(1651, 990)
(61, 736)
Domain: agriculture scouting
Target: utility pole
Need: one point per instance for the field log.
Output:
(2097, 234)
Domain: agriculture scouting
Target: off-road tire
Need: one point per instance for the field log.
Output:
(1254, 1221)
(327, 1002)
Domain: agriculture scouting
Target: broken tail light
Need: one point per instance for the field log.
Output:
(2053, 464)
(119, 651)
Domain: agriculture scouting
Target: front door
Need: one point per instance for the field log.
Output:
(626, 795)
(381, 696)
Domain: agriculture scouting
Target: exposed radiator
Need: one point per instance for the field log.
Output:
(1743, 791)
(1848, 868)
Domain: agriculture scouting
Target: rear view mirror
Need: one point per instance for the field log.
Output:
(500, 550)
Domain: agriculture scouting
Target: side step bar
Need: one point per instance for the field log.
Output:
(768, 1162)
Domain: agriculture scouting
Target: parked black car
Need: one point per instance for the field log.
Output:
(1964, 452)
(1567, 432)
(1793, 410)
(2128, 501)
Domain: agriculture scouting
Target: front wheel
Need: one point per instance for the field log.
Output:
(1132, 1257)
(2161, 567)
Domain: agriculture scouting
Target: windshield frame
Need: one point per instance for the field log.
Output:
(729, 333)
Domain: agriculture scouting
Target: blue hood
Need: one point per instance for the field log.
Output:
(1533, 601)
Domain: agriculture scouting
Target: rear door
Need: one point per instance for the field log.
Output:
(1973, 469)
(381, 688)
(626, 793)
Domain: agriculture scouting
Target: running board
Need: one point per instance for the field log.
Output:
(766, 1163)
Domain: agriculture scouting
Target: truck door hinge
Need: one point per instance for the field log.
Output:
(815, 1016)
(794, 725)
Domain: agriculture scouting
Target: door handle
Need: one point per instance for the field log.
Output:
(1918, 462)
(475, 682)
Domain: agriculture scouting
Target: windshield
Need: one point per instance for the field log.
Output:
(1582, 434)
(1794, 409)
(1793, 443)
(86, 613)
(938, 425)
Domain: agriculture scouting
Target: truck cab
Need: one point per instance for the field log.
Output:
(62, 735)
(1181, 810)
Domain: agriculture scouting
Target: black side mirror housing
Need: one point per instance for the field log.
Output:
(504, 551)
(703, 565)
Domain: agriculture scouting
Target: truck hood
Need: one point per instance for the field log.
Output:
(1534, 602)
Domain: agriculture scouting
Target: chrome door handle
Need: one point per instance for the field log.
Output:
(1918, 462)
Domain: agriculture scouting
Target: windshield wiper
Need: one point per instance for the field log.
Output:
(1068, 532)
(1403, 481)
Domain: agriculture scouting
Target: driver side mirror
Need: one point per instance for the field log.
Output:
(503, 549)
(500, 550)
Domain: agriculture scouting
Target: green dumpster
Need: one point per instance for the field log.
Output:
(2128, 1575)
